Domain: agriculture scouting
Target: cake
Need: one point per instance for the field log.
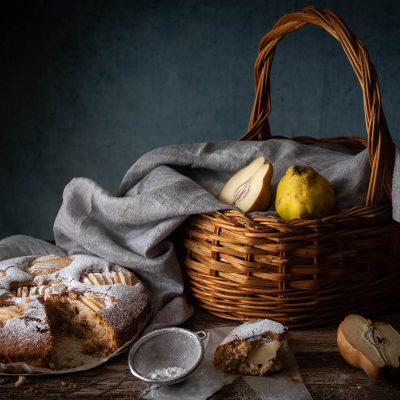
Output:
(41, 298)
(253, 348)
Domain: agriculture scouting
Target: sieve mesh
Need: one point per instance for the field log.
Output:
(174, 349)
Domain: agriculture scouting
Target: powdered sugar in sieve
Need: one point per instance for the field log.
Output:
(166, 356)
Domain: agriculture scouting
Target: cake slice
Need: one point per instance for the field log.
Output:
(24, 332)
(253, 348)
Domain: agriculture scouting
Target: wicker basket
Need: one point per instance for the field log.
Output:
(303, 272)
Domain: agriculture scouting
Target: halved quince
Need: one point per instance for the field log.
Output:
(372, 346)
(249, 189)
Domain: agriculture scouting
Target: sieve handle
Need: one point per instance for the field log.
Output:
(201, 335)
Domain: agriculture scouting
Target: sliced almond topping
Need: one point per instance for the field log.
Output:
(26, 291)
(90, 302)
(107, 279)
(129, 278)
(94, 299)
(92, 279)
(86, 279)
(114, 277)
(22, 291)
(42, 290)
(34, 291)
(99, 278)
(121, 276)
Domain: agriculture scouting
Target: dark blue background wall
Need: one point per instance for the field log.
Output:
(89, 86)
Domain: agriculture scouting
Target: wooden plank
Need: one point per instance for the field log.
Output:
(324, 371)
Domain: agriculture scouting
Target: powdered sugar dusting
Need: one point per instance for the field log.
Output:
(165, 373)
(19, 262)
(83, 264)
(34, 310)
(255, 328)
(26, 334)
(14, 275)
(132, 302)
(123, 303)
(21, 329)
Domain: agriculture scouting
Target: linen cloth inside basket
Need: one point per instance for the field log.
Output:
(162, 189)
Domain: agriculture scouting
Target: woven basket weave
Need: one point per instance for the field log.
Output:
(303, 272)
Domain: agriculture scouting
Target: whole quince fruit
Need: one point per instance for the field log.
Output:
(303, 193)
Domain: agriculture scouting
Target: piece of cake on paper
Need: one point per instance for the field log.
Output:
(253, 348)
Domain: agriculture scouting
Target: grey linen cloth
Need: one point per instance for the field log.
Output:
(167, 185)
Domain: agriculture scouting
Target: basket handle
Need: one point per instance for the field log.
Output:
(380, 144)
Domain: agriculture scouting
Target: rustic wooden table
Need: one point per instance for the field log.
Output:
(325, 373)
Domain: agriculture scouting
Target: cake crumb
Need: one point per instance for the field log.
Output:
(21, 380)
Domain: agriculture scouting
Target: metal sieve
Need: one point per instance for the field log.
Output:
(166, 356)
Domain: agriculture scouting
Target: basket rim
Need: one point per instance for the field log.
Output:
(235, 219)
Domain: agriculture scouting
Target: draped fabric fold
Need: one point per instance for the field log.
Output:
(167, 185)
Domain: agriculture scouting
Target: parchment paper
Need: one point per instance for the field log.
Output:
(206, 380)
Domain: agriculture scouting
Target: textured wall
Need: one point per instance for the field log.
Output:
(87, 87)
